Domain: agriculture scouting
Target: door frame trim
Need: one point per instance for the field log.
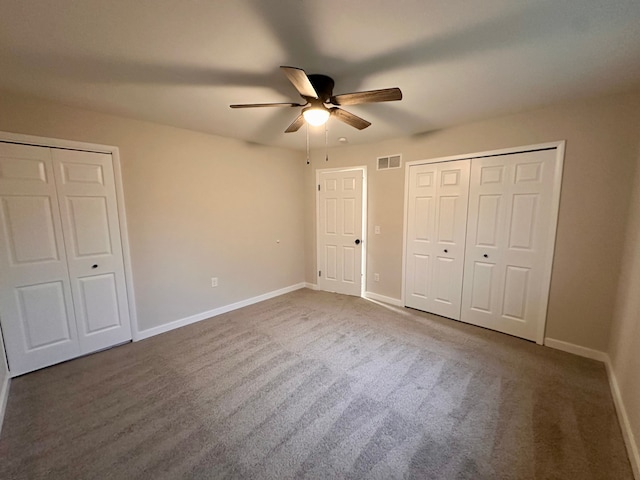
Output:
(555, 209)
(364, 243)
(19, 138)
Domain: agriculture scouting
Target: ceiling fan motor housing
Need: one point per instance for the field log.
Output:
(323, 86)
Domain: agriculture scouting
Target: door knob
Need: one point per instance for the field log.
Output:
(485, 255)
(446, 251)
(94, 266)
(357, 241)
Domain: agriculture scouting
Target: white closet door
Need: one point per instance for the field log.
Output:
(340, 232)
(36, 307)
(508, 242)
(89, 212)
(437, 217)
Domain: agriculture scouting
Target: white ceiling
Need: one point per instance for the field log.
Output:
(182, 62)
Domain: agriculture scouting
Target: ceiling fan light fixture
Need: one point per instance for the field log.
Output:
(317, 92)
(315, 116)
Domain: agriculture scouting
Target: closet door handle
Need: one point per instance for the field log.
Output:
(446, 251)
(357, 241)
(485, 255)
(94, 266)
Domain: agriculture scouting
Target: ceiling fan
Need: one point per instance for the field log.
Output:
(317, 91)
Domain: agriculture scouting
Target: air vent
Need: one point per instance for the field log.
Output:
(392, 161)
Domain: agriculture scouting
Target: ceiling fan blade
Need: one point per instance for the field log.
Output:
(299, 79)
(255, 105)
(371, 96)
(349, 118)
(295, 125)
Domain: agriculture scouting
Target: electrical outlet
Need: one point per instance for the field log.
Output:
(376, 277)
(214, 281)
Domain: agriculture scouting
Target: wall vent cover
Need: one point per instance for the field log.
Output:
(389, 162)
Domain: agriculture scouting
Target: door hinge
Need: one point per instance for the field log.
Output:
(318, 187)
(319, 273)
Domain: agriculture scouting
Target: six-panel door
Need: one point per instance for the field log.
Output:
(89, 213)
(36, 307)
(59, 219)
(508, 242)
(340, 232)
(437, 217)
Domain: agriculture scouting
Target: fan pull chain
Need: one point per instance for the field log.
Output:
(326, 143)
(307, 144)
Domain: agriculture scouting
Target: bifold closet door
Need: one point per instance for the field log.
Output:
(89, 214)
(62, 288)
(36, 306)
(437, 217)
(508, 243)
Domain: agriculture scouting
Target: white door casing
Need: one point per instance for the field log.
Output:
(436, 230)
(89, 212)
(510, 242)
(36, 306)
(59, 217)
(340, 230)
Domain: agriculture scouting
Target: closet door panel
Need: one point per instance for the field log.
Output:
(508, 234)
(99, 303)
(43, 314)
(89, 213)
(482, 283)
(419, 269)
(420, 235)
(36, 307)
(437, 212)
(447, 288)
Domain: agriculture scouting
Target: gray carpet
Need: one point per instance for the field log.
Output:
(315, 385)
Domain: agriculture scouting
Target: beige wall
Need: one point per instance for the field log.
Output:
(601, 137)
(197, 205)
(200, 205)
(624, 348)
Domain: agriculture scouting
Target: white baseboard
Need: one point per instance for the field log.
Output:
(150, 332)
(381, 298)
(369, 296)
(576, 349)
(629, 438)
(4, 397)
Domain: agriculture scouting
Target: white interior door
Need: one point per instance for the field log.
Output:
(89, 213)
(340, 231)
(509, 245)
(36, 307)
(437, 217)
